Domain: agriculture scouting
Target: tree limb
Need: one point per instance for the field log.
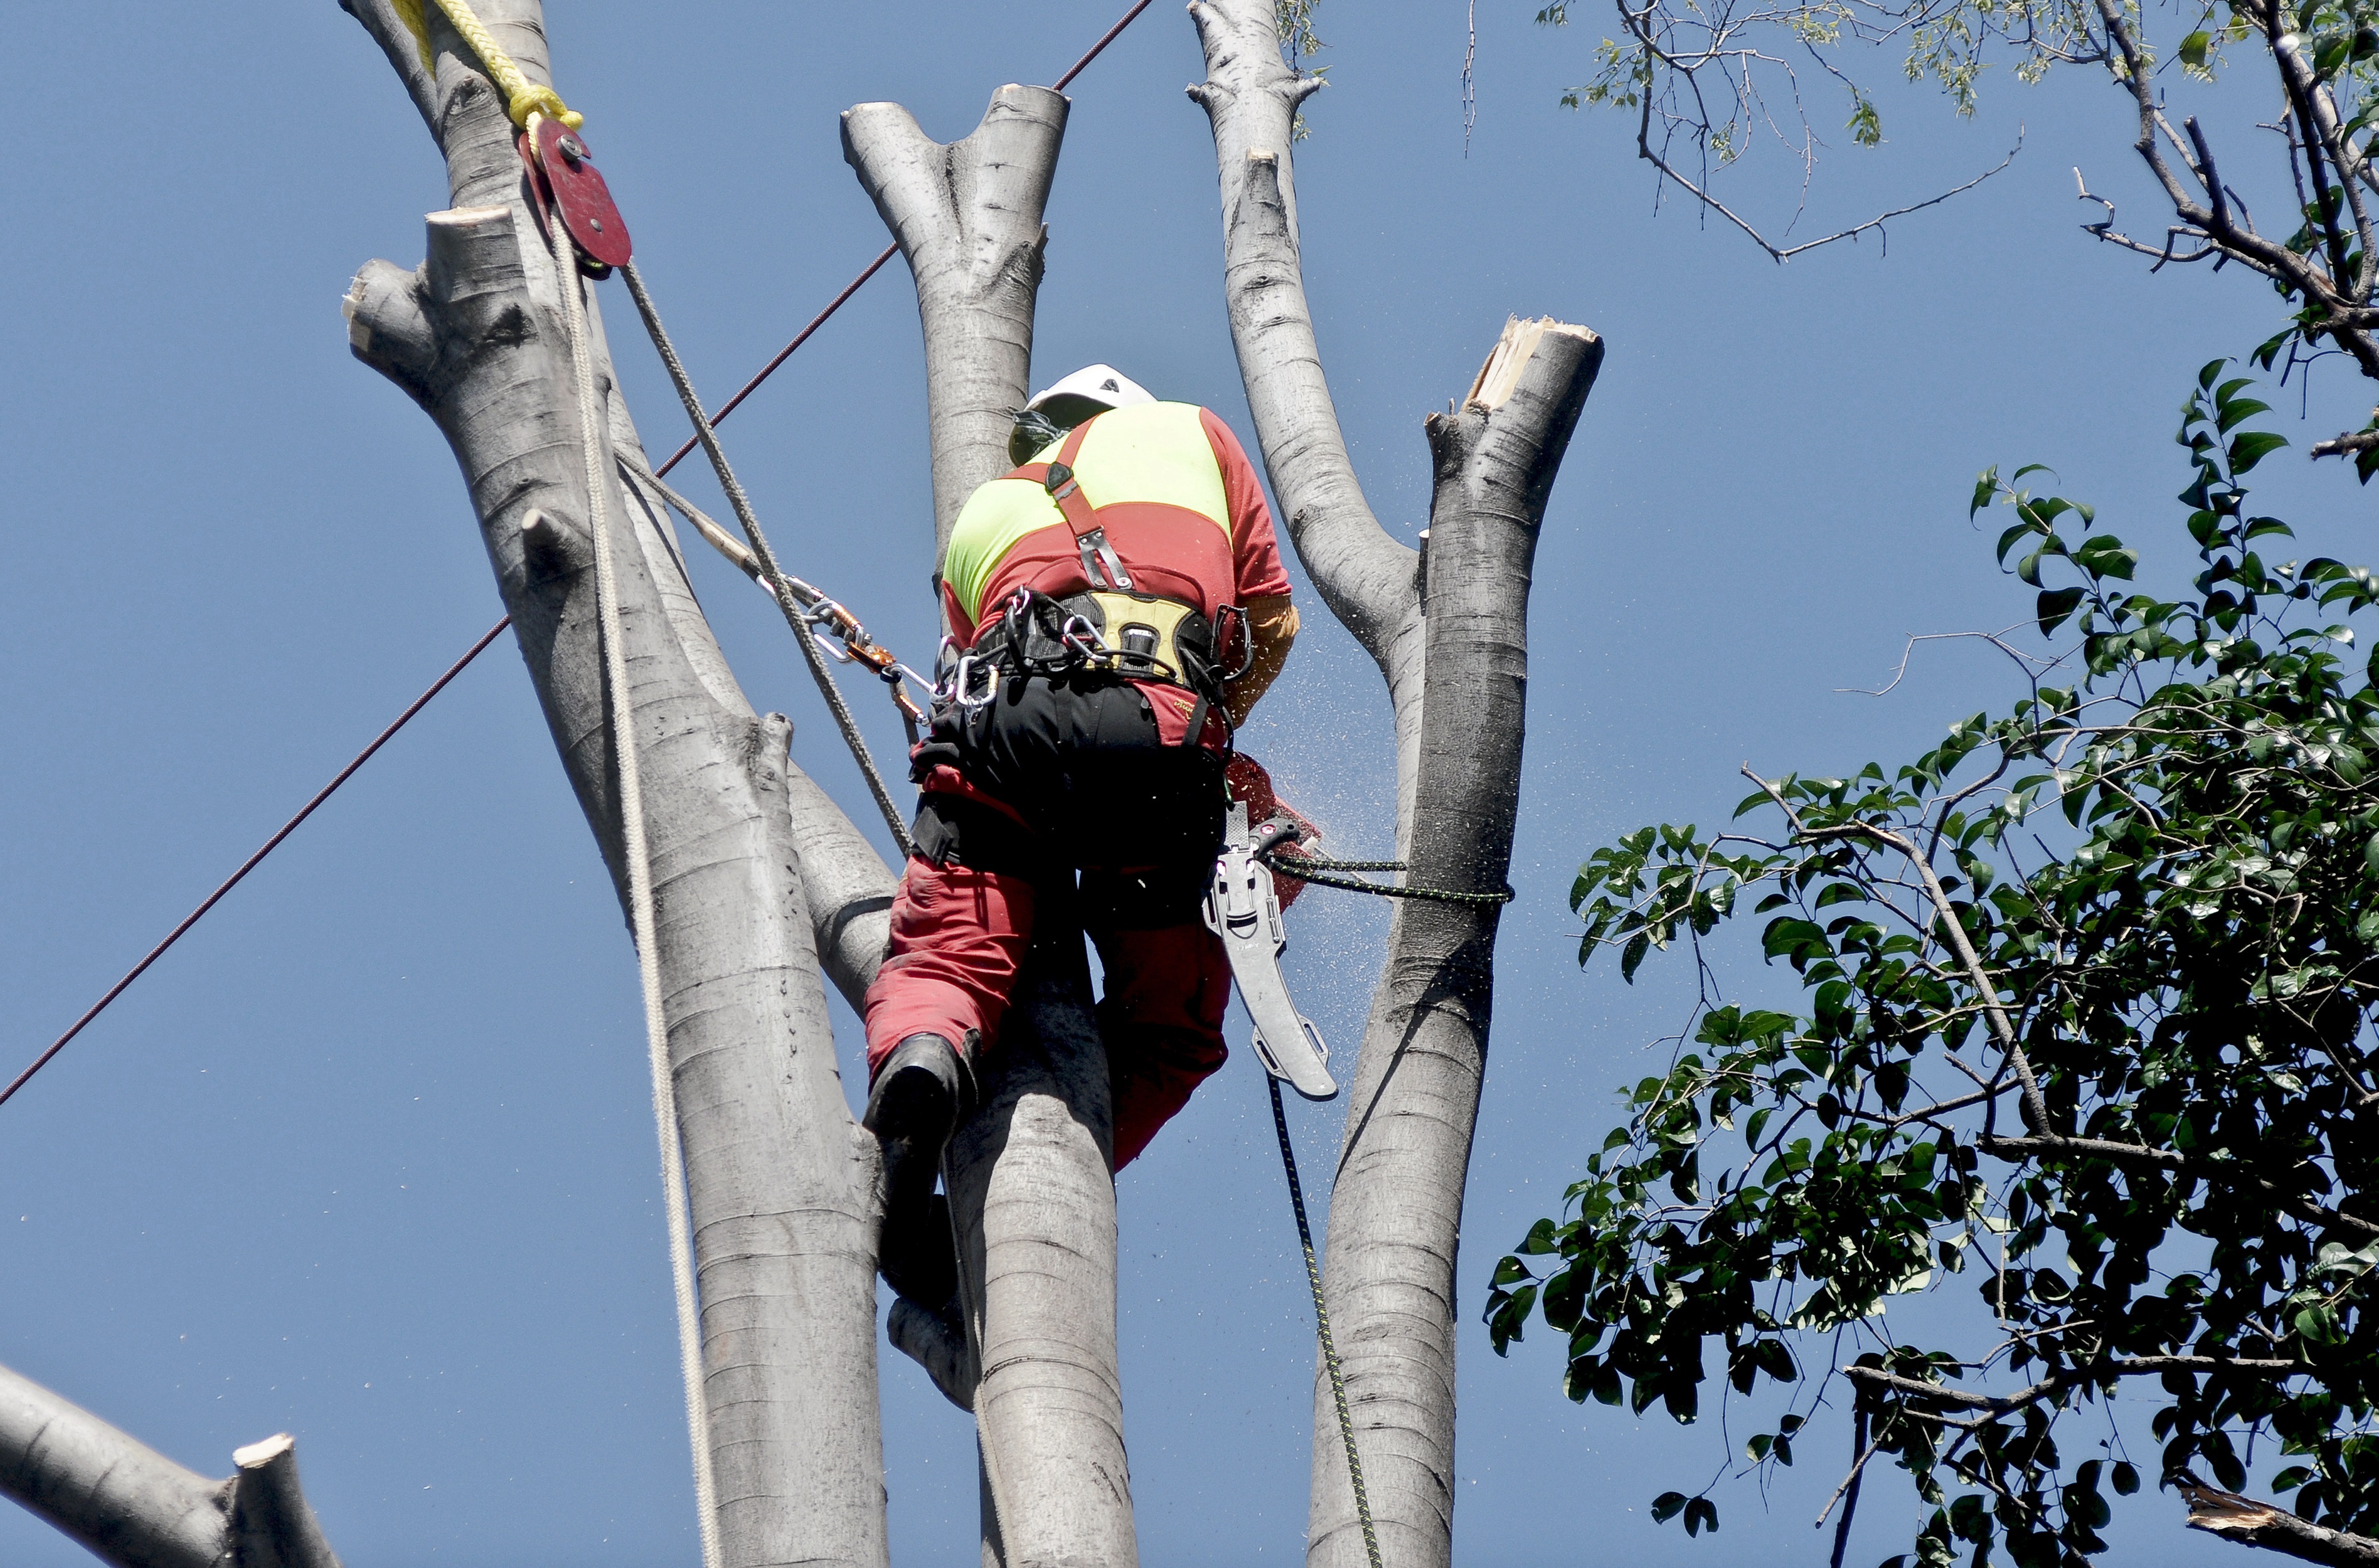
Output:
(1251, 98)
(2267, 1524)
(1457, 682)
(136, 1508)
(1030, 1175)
(2141, 1155)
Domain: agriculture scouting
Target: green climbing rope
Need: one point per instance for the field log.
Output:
(1322, 1319)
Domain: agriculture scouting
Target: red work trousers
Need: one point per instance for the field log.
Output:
(958, 936)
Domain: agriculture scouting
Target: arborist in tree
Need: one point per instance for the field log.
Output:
(1117, 604)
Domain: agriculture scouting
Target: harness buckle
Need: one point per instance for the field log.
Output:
(1098, 554)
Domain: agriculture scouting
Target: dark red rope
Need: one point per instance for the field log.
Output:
(478, 647)
(785, 352)
(253, 861)
(1105, 39)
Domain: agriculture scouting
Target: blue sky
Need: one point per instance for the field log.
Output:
(368, 1157)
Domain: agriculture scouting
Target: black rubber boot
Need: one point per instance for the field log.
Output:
(915, 1105)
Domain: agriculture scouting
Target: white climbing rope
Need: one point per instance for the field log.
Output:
(973, 1306)
(636, 853)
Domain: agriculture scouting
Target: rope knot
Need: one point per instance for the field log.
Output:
(529, 99)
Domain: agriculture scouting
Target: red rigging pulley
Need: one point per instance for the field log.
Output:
(569, 185)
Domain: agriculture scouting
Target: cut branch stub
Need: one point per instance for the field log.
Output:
(136, 1508)
(967, 218)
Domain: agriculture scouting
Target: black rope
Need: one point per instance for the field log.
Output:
(774, 576)
(1316, 870)
(1322, 1319)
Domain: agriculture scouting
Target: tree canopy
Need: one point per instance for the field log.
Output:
(2084, 1041)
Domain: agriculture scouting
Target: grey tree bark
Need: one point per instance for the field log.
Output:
(136, 1508)
(968, 219)
(781, 1180)
(1030, 1188)
(1452, 644)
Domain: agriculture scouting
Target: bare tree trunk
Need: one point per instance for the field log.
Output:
(1030, 1179)
(781, 1181)
(134, 1507)
(1452, 643)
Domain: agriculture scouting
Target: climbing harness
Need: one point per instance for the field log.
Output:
(1244, 911)
(1127, 636)
(1101, 568)
(1321, 1324)
(636, 852)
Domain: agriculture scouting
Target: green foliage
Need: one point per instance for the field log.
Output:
(1294, 21)
(2084, 1037)
(1702, 67)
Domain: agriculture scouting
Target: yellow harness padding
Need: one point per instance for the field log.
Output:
(1159, 619)
(524, 96)
(1149, 452)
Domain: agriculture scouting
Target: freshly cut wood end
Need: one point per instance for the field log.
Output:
(464, 217)
(256, 1455)
(1499, 376)
(2226, 1513)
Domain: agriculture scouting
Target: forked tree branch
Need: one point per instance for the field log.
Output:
(1032, 1351)
(967, 218)
(1452, 643)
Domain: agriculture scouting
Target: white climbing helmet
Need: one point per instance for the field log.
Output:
(1089, 390)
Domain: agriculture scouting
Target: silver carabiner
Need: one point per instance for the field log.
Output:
(1086, 642)
(962, 679)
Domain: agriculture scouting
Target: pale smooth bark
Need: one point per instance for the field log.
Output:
(136, 1508)
(1452, 644)
(968, 219)
(781, 1180)
(1371, 580)
(1030, 1177)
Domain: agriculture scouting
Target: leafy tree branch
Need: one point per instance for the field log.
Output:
(2085, 1018)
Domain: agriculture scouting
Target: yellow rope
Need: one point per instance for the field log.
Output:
(525, 97)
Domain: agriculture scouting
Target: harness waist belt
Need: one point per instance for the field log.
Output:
(1131, 636)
